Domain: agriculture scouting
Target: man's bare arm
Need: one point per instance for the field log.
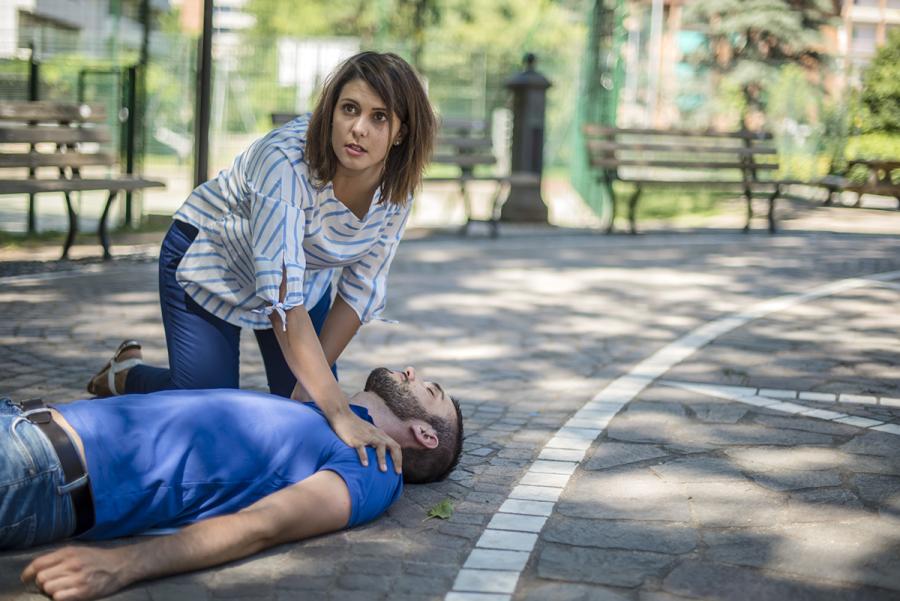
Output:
(318, 504)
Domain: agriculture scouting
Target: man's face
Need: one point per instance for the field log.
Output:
(408, 397)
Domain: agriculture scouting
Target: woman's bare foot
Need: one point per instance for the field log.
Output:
(126, 356)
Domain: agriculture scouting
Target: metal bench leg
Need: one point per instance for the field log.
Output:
(632, 210)
(496, 205)
(771, 215)
(612, 211)
(467, 206)
(73, 226)
(102, 232)
(748, 195)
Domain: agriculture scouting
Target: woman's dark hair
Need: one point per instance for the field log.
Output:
(398, 85)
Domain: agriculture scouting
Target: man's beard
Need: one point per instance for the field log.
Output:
(396, 395)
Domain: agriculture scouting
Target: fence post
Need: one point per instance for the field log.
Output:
(34, 93)
(129, 135)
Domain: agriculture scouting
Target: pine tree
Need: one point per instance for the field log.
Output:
(750, 40)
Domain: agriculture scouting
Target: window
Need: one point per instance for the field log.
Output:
(863, 38)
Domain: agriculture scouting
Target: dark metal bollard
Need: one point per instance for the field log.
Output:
(529, 89)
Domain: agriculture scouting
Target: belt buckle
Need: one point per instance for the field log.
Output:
(41, 417)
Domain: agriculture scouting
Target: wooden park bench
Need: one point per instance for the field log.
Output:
(865, 176)
(466, 145)
(45, 146)
(740, 161)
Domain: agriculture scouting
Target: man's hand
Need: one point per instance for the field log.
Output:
(359, 433)
(77, 573)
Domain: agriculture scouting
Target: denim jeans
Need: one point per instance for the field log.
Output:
(35, 506)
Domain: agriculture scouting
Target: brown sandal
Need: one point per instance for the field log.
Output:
(114, 366)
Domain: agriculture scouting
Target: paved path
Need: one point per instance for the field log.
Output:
(691, 490)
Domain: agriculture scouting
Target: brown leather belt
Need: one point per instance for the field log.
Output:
(82, 500)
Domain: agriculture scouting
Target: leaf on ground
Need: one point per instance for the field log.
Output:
(442, 510)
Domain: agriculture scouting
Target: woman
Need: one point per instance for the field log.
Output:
(257, 247)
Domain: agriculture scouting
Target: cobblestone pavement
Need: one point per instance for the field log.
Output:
(708, 483)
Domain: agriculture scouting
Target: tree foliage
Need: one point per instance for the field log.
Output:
(881, 89)
(750, 40)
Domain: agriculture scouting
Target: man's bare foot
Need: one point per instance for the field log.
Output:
(126, 356)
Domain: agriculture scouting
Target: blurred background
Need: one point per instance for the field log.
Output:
(822, 75)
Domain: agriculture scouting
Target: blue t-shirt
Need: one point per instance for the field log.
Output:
(168, 459)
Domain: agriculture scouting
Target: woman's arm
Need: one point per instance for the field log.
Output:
(316, 505)
(339, 329)
(306, 359)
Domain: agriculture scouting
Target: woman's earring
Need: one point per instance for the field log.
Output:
(396, 142)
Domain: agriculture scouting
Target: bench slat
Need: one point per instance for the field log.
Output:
(464, 143)
(613, 163)
(598, 146)
(867, 188)
(597, 130)
(464, 160)
(45, 111)
(454, 123)
(694, 182)
(33, 186)
(66, 159)
(55, 135)
(518, 178)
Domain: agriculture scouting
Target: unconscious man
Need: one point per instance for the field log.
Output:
(238, 471)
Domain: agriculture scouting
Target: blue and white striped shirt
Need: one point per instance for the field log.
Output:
(263, 213)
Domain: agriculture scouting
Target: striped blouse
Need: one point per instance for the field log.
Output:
(264, 212)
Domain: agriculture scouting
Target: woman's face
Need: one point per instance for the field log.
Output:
(361, 130)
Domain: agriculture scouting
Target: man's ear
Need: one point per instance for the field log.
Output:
(424, 434)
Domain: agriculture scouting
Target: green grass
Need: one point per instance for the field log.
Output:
(658, 202)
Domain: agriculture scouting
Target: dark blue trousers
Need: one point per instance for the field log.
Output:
(204, 351)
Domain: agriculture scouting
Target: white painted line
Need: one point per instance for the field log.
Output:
(560, 442)
(527, 507)
(486, 581)
(759, 401)
(555, 467)
(823, 414)
(561, 455)
(860, 422)
(507, 539)
(777, 393)
(597, 423)
(455, 596)
(496, 559)
(824, 397)
(541, 479)
(889, 401)
(788, 407)
(568, 431)
(857, 398)
(623, 389)
(519, 523)
(535, 493)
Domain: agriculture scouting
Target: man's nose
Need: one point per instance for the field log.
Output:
(410, 373)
